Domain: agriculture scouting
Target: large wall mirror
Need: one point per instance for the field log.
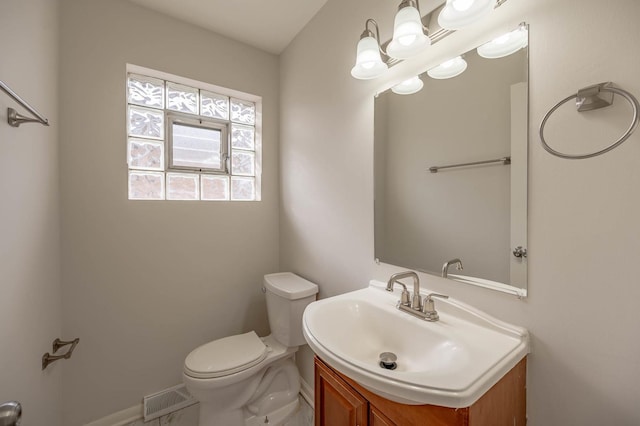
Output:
(476, 213)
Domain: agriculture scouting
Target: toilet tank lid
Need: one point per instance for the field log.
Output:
(289, 285)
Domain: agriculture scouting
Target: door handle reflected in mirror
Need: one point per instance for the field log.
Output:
(520, 252)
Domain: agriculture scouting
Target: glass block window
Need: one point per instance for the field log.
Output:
(189, 142)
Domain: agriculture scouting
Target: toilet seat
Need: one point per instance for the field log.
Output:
(226, 356)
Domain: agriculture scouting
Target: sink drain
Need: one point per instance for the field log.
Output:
(388, 360)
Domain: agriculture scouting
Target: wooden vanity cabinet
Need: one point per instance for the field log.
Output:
(339, 401)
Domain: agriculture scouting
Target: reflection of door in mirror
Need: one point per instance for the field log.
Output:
(476, 213)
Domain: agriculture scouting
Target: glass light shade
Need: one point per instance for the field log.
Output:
(368, 61)
(458, 14)
(449, 69)
(408, 35)
(506, 44)
(408, 87)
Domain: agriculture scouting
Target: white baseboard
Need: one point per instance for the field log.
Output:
(120, 418)
(307, 392)
(131, 414)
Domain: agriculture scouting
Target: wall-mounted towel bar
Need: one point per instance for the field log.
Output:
(57, 344)
(14, 118)
(503, 160)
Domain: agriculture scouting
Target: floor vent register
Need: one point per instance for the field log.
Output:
(167, 401)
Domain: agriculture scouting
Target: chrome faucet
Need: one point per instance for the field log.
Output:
(447, 264)
(416, 307)
(416, 303)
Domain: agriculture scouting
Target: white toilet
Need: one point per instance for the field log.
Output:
(246, 380)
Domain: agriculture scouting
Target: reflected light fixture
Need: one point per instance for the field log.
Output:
(449, 69)
(409, 36)
(458, 14)
(408, 87)
(369, 62)
(506, 44)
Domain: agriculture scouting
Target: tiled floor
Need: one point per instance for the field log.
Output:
(189, 417)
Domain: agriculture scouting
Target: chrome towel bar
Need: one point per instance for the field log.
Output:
(590, 98)
(14, 118)
(503, 160)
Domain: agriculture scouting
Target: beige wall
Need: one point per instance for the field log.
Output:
(144, 283)
(583, 230)
(29, 212)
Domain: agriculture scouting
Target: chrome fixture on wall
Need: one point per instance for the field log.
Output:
(587, 99)
(14, 118)
(57, 344)
(411, 36)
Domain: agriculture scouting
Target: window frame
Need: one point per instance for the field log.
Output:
(198, 122)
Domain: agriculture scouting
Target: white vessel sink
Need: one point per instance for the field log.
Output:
(451, 362)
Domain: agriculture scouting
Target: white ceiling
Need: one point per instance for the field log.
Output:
(266, 24)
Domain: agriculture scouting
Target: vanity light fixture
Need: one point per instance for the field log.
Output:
(369, 62)
(408, 87)
(458, 14)
(506, 44)
(449, 69)
(409, 36)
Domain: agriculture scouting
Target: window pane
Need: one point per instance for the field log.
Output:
(146, 186)
(242, 188)
(212, 105)
(146, 122)
(243, 163)
(146, 154)
(196, 146)
(243, 112)
(182, 186)
(242, 137)
(215, 187)
(182, 98)
(146, 91)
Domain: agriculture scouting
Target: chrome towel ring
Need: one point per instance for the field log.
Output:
(589, 98)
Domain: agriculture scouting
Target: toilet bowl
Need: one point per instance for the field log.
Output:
(245, 380)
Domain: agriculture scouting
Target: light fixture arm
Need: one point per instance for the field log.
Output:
(416, 4)
(368, 33)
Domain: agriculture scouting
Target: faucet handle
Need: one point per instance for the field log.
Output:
(429, 307)
(405, 297)
(441, 296)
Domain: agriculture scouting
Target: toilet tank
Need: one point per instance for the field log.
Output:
(287, 296)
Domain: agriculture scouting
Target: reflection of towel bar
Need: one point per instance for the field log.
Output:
(503, 160)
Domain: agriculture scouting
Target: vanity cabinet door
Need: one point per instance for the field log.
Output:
(376, 418)
(337, 403)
